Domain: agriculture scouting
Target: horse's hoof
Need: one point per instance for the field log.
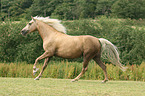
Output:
(104, 81)
(35, 71)
(37, 78)
(74, 80)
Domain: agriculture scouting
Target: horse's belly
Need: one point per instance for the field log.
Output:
(69, 53)
(70, 48)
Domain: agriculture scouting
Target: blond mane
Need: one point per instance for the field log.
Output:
(55, 23)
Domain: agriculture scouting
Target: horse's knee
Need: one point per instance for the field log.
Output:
(86, 68)
(83, 70)
(36, 60)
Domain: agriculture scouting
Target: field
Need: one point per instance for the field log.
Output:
(18, 54)
(63, 87)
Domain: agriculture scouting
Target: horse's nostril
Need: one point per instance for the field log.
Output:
(24, 32)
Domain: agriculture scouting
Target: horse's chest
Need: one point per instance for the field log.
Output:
(48, 46)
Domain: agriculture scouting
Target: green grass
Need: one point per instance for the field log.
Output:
(63, 87)
(69, 70)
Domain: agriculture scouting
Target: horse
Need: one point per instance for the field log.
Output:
(57, 43)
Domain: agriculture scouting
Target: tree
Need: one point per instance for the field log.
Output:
(64, 11)
(133, 9)
(5, 4)
(76, 9)
(43, 7)
(85, 8)
(103, 7)
(14, 8)
(18, 7)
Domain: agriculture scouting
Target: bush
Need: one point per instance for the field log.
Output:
(130, 43)
(121, 32)
(15, 47)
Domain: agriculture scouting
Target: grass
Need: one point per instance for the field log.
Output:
(63, 87)
(69, 70)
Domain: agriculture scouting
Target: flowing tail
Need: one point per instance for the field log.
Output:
(110, 51)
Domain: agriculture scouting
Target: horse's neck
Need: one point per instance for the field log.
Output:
(45, 30)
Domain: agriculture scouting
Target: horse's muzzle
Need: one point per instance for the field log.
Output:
(24, 32)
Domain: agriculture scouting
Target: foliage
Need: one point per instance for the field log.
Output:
(70, 70)
(43, 7)
(15, 9)
(18, 8)
(63, 11)
(122, 33)
(129, 8)
(14, 46)
(103, 7)
(71, 9)
(128, 40)
(4, 5)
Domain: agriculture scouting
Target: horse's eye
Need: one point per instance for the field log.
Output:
(30, 23)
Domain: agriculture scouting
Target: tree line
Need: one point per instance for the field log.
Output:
(71, 9)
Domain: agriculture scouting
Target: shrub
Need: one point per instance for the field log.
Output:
(130, 41)
(15, 47)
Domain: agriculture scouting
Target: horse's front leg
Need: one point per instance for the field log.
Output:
(44, 55)
(43, 68)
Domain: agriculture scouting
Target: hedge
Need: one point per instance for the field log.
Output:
(123, 33)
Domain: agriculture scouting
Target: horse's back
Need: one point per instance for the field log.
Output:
(69, 46)
(91, 44)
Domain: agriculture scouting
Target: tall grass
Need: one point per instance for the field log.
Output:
(69, 70)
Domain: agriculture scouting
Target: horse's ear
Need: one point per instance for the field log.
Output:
(33, 18)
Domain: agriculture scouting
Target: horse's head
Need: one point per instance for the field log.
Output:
(30, 27)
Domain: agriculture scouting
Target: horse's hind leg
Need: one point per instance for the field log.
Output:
(86, 59)
(103, 66)
(84, 69)
(43, 68)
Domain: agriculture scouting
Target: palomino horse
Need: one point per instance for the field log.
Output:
(57, 43)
